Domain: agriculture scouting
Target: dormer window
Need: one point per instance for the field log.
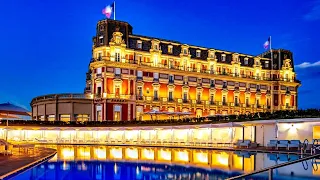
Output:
(185, 51)
(246, 61)
(198, 53)
(139, 44)
(266, 64)
(170, 49)
(223, 57)
(101, 40)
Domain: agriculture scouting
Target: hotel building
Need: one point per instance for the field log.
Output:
(132, 74)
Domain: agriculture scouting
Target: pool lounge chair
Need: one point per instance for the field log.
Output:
(245, 143)
(283, 144)
(272, 144)
(294, 144)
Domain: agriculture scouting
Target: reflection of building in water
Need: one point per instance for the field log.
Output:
(208, 159)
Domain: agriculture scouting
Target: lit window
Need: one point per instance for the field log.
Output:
(267, 64)
(65, 117)
(117, 113)
(245, 61)
(223, 57)
(198, 53)
(170, 49)
(41, 118)
(101, 40)
(99, 70)
(139, 44)
(117, 71)
(51, 117)
(156, 75)
(82, 117)
(139, 73)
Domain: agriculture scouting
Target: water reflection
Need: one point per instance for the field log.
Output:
(207, 159)
(118, 162)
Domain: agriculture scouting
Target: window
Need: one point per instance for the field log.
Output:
(139, 44)
(139, 91)
(99, 90)
(258, 103)
(245, 61)
(101, 40)
(198, 53)
(82, 117)
(117, 71)
(212, 98)
(156, 75)
(247, 101)
(224, 100)
(212, 83)
(236, 100)
(198, 96)
(267, 64)
(170, 95)
(117, 91)
(170, 49)
(268, 103)
(41, 118)
(117, 113)
(117, 57)
(51, 117)
(139, 73)
(258, 87)
(224, 84)
(223, 57)
(155, 94)
(185, 51)
(185, 96)
(65, 117)
(99, 70)
(171, 78)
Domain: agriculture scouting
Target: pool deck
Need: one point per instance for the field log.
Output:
(22, 159)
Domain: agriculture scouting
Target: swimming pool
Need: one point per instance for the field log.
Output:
(112, 162)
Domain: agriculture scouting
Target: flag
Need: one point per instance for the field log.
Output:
(107, 11)
(267, 44)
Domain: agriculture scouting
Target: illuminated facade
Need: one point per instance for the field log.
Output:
(131, 74)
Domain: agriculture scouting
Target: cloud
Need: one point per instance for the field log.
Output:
(307, 65)
(314, 13)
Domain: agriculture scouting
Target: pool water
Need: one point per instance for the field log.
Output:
(119, 163)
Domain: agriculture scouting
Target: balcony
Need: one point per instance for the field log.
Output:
(202, 70)
(156, 98)
(170, 99)
(185, 101)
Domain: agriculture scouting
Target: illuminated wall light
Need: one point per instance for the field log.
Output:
(132, 153)
(116, 153)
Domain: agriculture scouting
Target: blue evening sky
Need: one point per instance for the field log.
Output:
(45, 45)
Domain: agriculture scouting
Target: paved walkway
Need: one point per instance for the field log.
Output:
(20, 159)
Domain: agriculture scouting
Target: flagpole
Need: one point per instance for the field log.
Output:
(114, 13)
(272, 98)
